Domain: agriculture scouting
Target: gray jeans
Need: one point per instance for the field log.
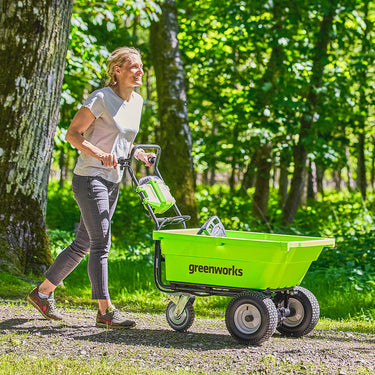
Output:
(97, 199)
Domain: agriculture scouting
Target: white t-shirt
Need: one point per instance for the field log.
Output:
(114, 129)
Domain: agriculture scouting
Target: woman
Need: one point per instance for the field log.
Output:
(103, 129)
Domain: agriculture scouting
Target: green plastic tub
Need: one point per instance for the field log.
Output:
(241, 259)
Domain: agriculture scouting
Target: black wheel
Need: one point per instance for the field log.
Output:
(251, 318)
(184, 321)
(304, 313)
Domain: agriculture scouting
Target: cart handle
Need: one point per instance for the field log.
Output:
(213, 227)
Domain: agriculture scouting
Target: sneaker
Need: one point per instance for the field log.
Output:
(46, 306)
(113, 319)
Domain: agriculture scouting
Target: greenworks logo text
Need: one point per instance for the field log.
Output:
(232, 271)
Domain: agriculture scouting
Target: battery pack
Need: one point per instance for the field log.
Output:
(156, 193)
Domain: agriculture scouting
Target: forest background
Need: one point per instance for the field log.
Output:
(278, 99)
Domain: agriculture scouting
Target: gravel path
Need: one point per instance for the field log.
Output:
(206, 348)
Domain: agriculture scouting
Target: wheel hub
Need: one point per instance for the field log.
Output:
(247, 319)
(177, 319)
(297, 313)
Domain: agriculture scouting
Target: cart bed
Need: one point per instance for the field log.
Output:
(240, 260)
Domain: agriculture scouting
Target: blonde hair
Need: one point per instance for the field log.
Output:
(117, 58)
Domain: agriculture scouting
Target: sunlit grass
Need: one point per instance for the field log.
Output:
(13, 364)
(347, 325)
(13, 287)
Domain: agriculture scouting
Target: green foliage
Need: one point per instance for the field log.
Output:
(131, 229)
(343, 292)
(62, 209)
(250, 67)
(351, 222)
(233, 209)
(58, 240)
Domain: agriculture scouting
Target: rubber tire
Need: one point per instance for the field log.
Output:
(186, 319)
(262, 310)
(307, 303)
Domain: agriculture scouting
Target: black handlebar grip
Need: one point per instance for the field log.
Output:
(121, 160)
(152, 159)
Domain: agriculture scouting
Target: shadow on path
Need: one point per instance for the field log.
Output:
(166, 338)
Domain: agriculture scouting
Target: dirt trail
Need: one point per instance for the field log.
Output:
(206, 348)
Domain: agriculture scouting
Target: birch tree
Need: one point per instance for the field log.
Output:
(33, 39)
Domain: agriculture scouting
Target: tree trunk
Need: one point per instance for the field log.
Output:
(320, 179)
(300, 152)
(312, 182)
(62, 163)
(232, 177)
(283, 179)
(273, 72)
(174, 135)
(296, 186)
(212, 162)
(337, 179)
(348, 170)
(262, 188)
(34, 35)
(363, 104)
(249, 177)
(361, 177)
(212, 174)
(204, 177)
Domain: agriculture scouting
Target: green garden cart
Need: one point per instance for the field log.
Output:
(260, 271)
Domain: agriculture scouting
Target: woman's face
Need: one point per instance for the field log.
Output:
(130, 73)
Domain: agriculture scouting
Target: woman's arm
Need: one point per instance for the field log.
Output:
(80, 123)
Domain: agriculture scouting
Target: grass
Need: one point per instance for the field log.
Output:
(346, 325)
(13, 287)
(12, 364)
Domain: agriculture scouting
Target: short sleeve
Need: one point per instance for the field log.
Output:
(95, 103)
